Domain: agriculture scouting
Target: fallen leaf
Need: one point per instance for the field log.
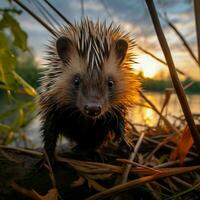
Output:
(78, 182)
(185, 143)
(51, 195)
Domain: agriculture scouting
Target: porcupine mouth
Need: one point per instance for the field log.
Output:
(92, 117)
(95, 117)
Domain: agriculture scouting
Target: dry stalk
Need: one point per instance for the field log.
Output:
(166, 19)
(58, 13)
(141, 181)
(154, 192)
(48, 166)
(162, 143)
(138, 165)
(177, 85)
(131, 158)
(27, 151)
(168, 93)
(158, 112)
(165, 145)
(35, 17)
(182, 182)
(197, 21)
(172, 163)
(160, 60)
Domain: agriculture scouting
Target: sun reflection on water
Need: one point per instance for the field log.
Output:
(149, 117)
(144, 115)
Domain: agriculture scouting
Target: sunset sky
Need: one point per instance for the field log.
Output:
(133, 17)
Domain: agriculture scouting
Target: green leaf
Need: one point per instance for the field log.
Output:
(7, 61)
(4, 128)
(27, 88)
(20, 37)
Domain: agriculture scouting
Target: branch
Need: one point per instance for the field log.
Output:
(176, 82)
(166, 19)
(197, 21)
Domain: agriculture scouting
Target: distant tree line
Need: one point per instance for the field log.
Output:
(161, 85)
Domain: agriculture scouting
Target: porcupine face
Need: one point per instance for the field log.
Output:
(90, 69)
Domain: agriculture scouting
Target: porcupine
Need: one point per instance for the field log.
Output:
(88, 85)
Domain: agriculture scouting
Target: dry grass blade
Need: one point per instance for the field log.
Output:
(35, 17)
(51, 195)
(172, 163)
(197, 21)
(138, 165)
(168, 124)
(162, 143)
(168, 93)
(132, 157)
(53, 180)
(90, 167)
(160, 60)
(58, 13)
(141, 181)
(166, 19)
(178, 195)
(177, 85)
(28, 151)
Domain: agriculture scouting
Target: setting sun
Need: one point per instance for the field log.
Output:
(147, 66)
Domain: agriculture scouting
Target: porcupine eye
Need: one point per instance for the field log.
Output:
(110, 84)
(76, 81)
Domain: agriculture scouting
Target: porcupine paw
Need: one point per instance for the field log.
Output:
(88, 154)
(42, 163)
(124, 148)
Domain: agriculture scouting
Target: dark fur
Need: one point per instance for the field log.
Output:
(106, 54)
(89, 135)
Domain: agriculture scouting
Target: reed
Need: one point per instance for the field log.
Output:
(175, 79)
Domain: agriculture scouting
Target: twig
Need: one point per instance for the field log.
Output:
(168, 93)
(160, 60)
(35, 17)
(171, 163)
(28, 193)
(58, 13)
(166, 19)
(138, 165)
(140, 181)
(51, 174)
(166, 145)
(180, 181)
(31, 152)
(197, 21)
(158, 112)
(7, 156)
(132, 157)
(154, 193)
(162, 143)
(177, 85)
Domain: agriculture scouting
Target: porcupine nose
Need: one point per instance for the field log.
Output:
(92, 109)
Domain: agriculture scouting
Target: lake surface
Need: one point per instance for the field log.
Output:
(138, 115)
(148, 116)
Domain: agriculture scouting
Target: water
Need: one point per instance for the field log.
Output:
(138, 115)
(144, 115)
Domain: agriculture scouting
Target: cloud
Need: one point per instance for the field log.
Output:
(132, 15)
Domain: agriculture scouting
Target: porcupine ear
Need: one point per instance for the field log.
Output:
(121, 49)
(63, 46)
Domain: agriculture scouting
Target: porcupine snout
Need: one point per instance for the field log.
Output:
(92, 109)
